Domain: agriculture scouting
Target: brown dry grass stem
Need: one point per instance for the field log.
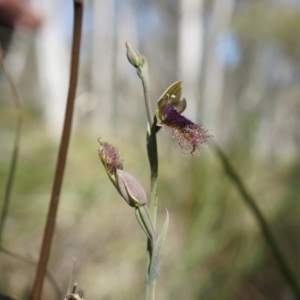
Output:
(62, 155)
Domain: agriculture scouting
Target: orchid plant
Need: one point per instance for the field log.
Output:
(191, 138)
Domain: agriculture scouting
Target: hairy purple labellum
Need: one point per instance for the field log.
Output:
(110, 157)
(191, 137)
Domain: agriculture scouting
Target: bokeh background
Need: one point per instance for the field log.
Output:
(239, 62)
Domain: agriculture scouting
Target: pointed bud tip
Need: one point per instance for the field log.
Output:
(134, 57)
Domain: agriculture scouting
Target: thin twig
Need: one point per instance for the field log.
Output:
(62, 155)
(286, 269)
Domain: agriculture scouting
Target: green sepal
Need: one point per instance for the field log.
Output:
(171, 97)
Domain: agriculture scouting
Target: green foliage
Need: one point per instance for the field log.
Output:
(215, 237)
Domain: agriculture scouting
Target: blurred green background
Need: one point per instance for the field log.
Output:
(239, 62)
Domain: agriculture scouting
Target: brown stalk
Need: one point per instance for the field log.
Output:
(62, 155)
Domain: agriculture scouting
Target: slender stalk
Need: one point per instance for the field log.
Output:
(151, 144)
(286, 269)
(62, 155)
(146, 89)
(153, 161)
(150, 290)
(141, 65)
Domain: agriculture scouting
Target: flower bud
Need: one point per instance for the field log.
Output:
(130, 189)
(134, 57)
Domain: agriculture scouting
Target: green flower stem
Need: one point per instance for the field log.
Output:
(150, 290)
(143, 73)
(141, 65)
(151, 141)
(286, 269)
(153, 160)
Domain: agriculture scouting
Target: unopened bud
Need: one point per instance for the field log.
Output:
(134, 57)
(130, 189)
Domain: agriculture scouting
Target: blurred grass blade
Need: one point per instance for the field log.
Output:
(15, 152)
(11, 176)
(158, 251)
(286, 269)
(50, 277)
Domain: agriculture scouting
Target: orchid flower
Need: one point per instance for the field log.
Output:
(191, 137)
